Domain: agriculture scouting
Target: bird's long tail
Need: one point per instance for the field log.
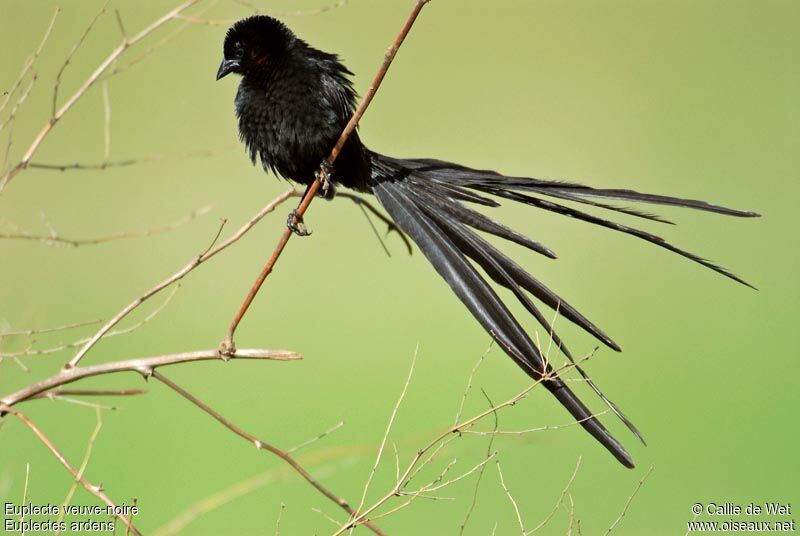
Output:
(428, 200)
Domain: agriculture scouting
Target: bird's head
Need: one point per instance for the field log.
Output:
(253, 43)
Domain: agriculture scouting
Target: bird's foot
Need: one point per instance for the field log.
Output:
(295, 223)
(323, 176)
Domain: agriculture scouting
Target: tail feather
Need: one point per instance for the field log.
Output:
(447, 171)
(425, 199)
(475, 219)
(493, 261)
(644, 235)
(483, 302)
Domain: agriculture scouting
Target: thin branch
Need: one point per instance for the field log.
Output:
(470, 380)
(97, 491)
(144, 366)
(56, 393)
(55, 239)
(478, 480)
(30, 351)
(560, 499)
(409, 472)
(260, 444)
(629, 501)
(72, 52)
(87, 84)
(106, 121)
(100, 166)
(278, 522)
(391, 227)
(36, 331)
(180, 274)
(314, 439)
(546, 428)
(152, 48)
(255, 10)
(29, 63)
(510, 498)
(388, 429)
(82, 470)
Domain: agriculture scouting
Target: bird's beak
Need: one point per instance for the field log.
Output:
(227, 67)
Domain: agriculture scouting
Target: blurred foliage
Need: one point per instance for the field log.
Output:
(685, 97)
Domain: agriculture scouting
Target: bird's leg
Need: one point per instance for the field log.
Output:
(295, 222)
(323, 176)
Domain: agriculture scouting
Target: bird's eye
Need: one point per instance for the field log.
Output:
(238, 48)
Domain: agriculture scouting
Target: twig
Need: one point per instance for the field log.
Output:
(470, 380)
(86, 457)
(194, 19)
(560, 499)
(144, 366)
(152, 48)
(388, 429)
(228, 344)
(36, 331)
(72, 52)
(629, 501)
(409, 472)
(180, 274)
(224, 496)
(130, 329)
(316, 438)
(29, 63)
(474, 502)
(259, 444)
(510, 497)
(100, 166)
(106, 121)
(546, 428)
(55, 239)
(367, 208)
(84, 88)
(278, 522)
(25, 489)
(55, 393)
(97, 491)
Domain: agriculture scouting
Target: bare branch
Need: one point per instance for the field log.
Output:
(29, 63)
(100, 166)
(316, 438)
(510, 498)
(36, 331)
(55, 393)
(30, 351)
(260, 445)
(87, 84)
(219, 499)
(560, 499)
(255, 10)
(72, 52)
(97, 491)
(53, 239)
(629, 501)
(144, 366)
(180, 274)
(81, 471)
(388, 429)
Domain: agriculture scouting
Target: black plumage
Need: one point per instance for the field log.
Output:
(293, 103)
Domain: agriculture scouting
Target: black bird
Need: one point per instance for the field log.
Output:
(293, 103)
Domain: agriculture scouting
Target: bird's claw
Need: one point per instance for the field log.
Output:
(295, 223)
(323, 175)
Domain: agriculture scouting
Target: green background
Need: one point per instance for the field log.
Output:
(694, 98)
